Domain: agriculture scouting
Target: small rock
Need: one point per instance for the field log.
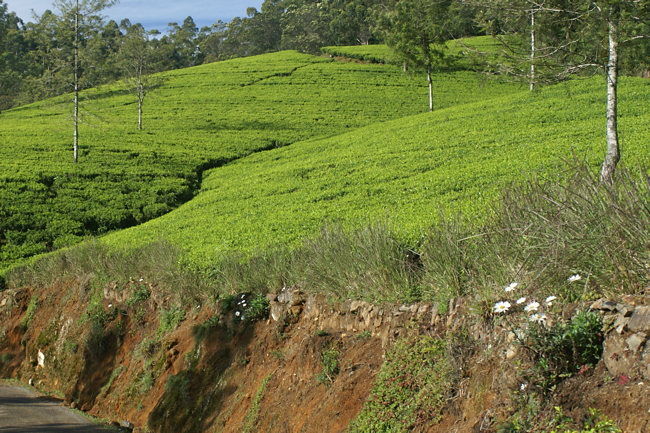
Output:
(434, 315)
(404, 308)
(31, 382)
(3, 302)
(296, 298)
(295, 310)
(354, 306)
(640, 320)
(277, 311)
(635, 341)
(41, 359)
(621, 323)
(603, 304)
(624, 310)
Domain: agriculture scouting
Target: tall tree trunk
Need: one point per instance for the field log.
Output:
(532, 49)
(75, 147)
(430, 86)
(613, 154)
(140, 99)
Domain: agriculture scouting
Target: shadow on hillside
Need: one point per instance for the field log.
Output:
(255, 125)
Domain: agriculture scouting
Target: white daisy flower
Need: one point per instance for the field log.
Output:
(237, 313)
(511, 287)
(501, 307)
(521, 301)
(538, 318)
(573, 278)
(550, 299)
(533, 306)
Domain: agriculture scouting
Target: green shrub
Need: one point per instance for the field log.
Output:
(205, 329)
(96, 319)
(410, 390)
(330, 367)
(596, 422)
(169, 319)
(257, 309)
(139, 295)
(253, 412)
(562, 349)
(26, 320)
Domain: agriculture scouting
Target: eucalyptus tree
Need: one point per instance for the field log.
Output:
(577, 37)
(418, 30)
(622, 22)
(81, 17)
(136, 57)
(305, 26)
(12, 55)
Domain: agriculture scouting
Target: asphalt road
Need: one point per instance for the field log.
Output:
(23, 411)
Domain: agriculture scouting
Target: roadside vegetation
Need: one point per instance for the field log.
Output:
(536, 233)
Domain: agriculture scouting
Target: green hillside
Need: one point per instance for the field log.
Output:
(481, 46)
(404, 170)
(198, 118)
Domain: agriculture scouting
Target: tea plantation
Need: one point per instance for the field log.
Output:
(196, 118)
(254, 152)
(404, 171)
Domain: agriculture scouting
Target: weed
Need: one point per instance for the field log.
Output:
(596, 422)
(114, 375)
(410, 390)
(258, 308)
(140, 294)
(253, 412)
(562, 349)
(147, 348)
(97, 317)
(368, 263)
(329, 362)
(228, 302)
(6, 357)
(278, 354)
(203, 330)
(29, 313)
(321, 333)
(47, 335)
(177, 389)
(169, 319)
(364, 335)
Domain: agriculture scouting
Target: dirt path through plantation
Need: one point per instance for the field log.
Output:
(23, 411)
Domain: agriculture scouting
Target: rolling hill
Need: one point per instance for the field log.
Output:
(195, 119)
(251, 153)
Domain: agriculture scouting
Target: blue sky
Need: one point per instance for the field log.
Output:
(153, 14)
